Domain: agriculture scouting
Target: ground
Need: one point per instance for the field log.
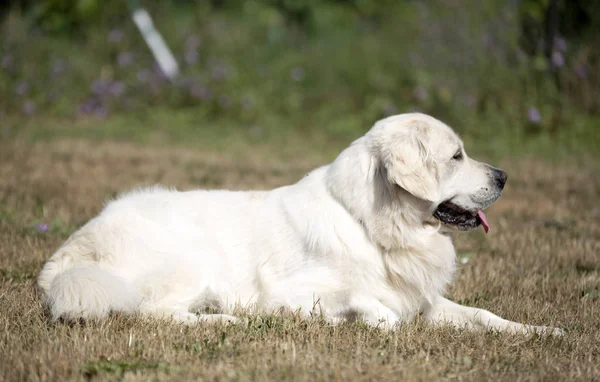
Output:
(539, 264)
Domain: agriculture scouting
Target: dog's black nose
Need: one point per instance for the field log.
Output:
(500, 178)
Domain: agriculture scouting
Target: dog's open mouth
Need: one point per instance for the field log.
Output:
(464, 220)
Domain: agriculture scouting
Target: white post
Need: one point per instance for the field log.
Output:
(157, 45)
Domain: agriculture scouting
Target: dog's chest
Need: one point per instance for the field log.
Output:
(417, 275)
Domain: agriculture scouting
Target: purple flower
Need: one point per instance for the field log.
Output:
(87, 107)
(92, 106)
(200, 92)
(533, 115)
(116, 88)
(560, 44)
(124, 59)
(42, 227)
(557, 59)
(29, 108)
(22, 88)
(101, 112)
(99, 87)
(115, 36)
(298, 74)
(84, 108)
(581, 71)
(191, 57)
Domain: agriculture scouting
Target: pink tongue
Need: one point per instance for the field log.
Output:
(484, 222)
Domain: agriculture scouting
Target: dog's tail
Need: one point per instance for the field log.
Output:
(73, 289)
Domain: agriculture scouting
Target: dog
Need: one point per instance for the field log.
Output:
(366, 237)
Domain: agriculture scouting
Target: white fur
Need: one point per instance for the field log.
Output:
(353, 239)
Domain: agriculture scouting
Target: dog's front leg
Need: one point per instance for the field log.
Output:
(371, 311)
(444, 311)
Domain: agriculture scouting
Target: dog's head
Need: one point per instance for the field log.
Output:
(427, 159)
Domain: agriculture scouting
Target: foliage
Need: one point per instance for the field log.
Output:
(348, 62)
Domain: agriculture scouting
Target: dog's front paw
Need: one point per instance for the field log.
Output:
(547, 331)
(557, 332)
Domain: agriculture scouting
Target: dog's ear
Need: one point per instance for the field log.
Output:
(408, 163)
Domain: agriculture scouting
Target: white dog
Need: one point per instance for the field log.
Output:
(365, 237)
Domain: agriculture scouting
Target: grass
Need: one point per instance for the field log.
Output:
(326, 134)
(120, 367)
(538, 265)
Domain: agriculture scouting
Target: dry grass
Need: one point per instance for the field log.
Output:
(539, 265)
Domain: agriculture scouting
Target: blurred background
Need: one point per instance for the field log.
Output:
(512, 77)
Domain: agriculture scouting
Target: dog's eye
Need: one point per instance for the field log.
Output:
(458, 155)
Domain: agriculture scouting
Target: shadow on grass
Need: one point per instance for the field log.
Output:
(120, 367)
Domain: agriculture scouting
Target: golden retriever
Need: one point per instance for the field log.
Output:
(366, 237)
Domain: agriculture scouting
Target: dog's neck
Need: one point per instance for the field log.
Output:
(397, 223)
(358, 181)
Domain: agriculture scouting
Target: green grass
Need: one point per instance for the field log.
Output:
(493, 139)
(119, 367)
(16, 275)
